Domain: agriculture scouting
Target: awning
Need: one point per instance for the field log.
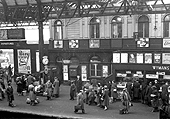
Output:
(73, 66)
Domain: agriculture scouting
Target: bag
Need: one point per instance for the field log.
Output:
(77, 107)
(28, 100)
(130, 104)
(122, 111)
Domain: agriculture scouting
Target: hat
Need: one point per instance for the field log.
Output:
(105, 86)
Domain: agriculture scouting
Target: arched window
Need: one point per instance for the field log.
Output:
(58, 30)
(166, 23)
(116, 27)
(94, 28)
(95, 67)
(143, 26)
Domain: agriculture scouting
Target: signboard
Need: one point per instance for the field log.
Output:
(166, 43)
(161, 67)
(152, 76)
(116, 57)
(3, 34)
(124, 57)
(165, 58)
(166, 77)
(105, 70)
(84, 77)
(139, 57)
(73, 44)
(148, 58)
(157, 58)
(58, 44)
(16, 33)
(94, 43)
(132, 58)
(143, 42)
(24, 61)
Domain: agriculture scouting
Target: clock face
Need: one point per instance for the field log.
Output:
(45, 61)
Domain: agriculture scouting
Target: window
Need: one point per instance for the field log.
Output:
(166, 23)
(58, 30)
(143, 26)
(95, 67)
(94, 28)
(116, 27)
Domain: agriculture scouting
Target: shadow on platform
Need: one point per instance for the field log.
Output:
(18, 115)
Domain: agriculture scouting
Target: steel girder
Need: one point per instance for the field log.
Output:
(62, 9)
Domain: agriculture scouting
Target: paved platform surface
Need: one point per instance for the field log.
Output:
(62, 108)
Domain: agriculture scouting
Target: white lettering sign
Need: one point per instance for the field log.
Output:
(166, 43)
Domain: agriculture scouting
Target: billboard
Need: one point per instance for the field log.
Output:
(24, 61)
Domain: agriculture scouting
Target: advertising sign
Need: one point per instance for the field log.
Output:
(124, 58)
(116, 57)
(73, 44)
(132, 58)
(148, 58)
(3, 34)
(139, 57)
(24, 61)
(166, 43)
(157, 58)
(94, 43)
(165, 58)
(105, 70)
(58, 44)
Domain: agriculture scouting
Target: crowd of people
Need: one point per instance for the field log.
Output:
(152, 94)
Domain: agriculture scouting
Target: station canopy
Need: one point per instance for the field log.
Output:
(25, 11)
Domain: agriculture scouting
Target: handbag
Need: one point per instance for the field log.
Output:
(77, 107)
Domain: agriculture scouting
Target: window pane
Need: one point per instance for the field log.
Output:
(99, 70)
(166, 29)
(116, 27)
(143, 26)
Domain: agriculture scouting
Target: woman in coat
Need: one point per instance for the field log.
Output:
(32, 94)
(72, 90)
(106, 97)
(114, 91)
(56, 87)
(126, 100)
(80, 101)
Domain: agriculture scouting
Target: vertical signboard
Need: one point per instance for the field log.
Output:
(24, 61)
(84, 72)
(165, 58)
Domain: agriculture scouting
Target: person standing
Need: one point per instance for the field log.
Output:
(80, 102)
(154, 99)
(136, 90)
(114, 91)
(164, 93)
(126, 100)
(56, 86)
(32, 94)
(10, 70)
(49, 88)
(10, 95)
(106, 97)
(72, 90)
(78, 84)
(148, 94)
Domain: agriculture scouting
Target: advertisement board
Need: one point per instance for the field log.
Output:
(24, 61)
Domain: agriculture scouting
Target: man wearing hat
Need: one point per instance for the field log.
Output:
(72, 90)
(10, 95)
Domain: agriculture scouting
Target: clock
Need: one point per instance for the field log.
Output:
(45, 61)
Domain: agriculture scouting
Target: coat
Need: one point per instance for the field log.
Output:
(72, 90)
(114, 90)
(106, 97)
(80, 100)
(49, 89)
(136, 89)
(56, 89)
(164, 94)
(32, 94)
(9, 92)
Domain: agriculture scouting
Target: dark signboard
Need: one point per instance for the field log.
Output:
(16, 33)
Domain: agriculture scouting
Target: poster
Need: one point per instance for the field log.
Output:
(24, 61)
(132, 58)
(94, 43)
(157, 58)
(84, 69)
(165, 58)
(116, 57)
(73, 44)
(84, 77)
(65, 76)
(124, 58)
(143, 42)
(58, 44)
(65, 68)
(139, 57)
(105, 70)
(148, 58)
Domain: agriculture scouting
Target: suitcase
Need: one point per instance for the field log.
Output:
(122, 111)
(77, 108)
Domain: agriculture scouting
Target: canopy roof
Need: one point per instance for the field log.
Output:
(15, 11)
